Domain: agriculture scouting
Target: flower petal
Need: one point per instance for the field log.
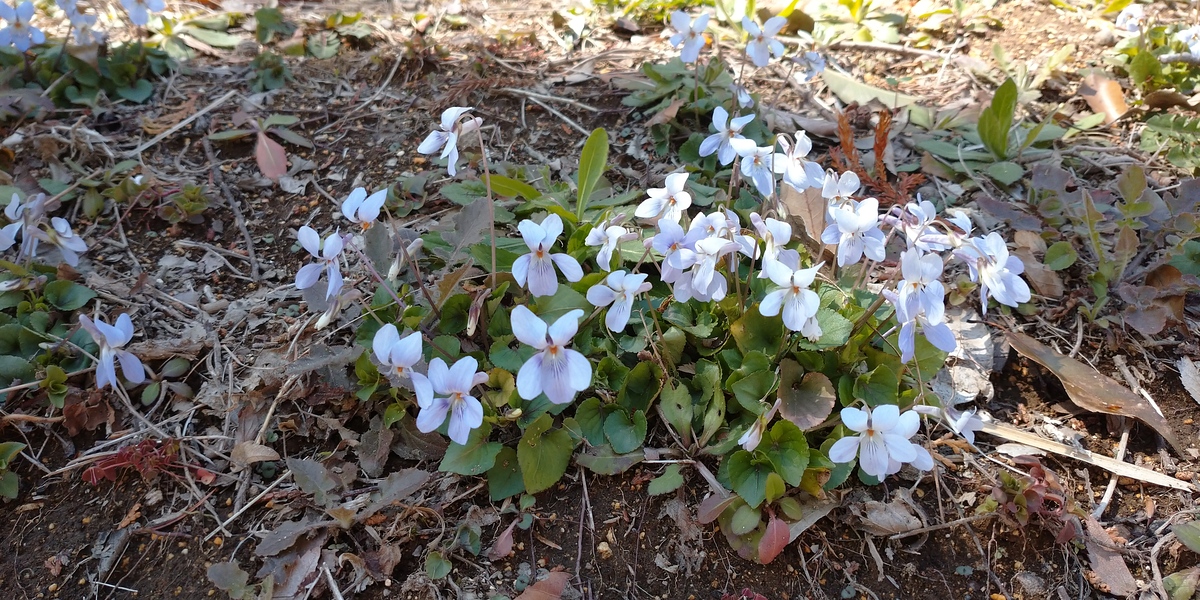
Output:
(570, 267)
(565, 328)
(845, 449)
(529, 328)
(423, 389)
(618, 315)
(382, 343)
(885, 417)
(529, 378)
(873, 456)
(520, 268)
(855, 419)
(407, 350)
(601, 295)
(132, 367)
(439, 376)
(309, 240)
(462, 375)
(432, 416)
(308, 275)
(772, 303)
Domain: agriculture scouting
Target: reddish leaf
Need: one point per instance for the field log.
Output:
(773, 541)
(504, 544)
(807, 400)
(271, 157)
(550, 588)
(712, 507)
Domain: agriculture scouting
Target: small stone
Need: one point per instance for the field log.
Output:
(1184, 475)
(604, 551)
(1030, 584)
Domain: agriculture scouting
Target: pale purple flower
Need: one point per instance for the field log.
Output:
(139, 10)
(916, 221)
(555, 370)
(607, 237)
(24, 219)
(689, 33)
(60, 234)
(1190, 37)
(1131, 18)
(702, 281)
(962, 422)
(998, 273)
(921, 289)
(111, 338)
(744, 99)
(363, 209)
(762, 43)
(538, 266)
(839, 190)
(326, 259)
(880, 438)
(757, 167)
(20, 32)
(855, 231)
(397, 353)
(937, 332)
(809, 65)
(797, 170)
(752, 437)
(447, 390)
(619, 290)
(775, 234)
(668, 202)
(728, 141)
(792, 296)
(675, 246)
(921, 460)
(445, 138)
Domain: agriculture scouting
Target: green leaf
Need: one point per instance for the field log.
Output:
(835, 331)
(603, 461)
(9, 485)
(753, 389)
(1144, 69)
(1189, 534)
(745, 520)
(290, 137)
(787, 448)
(641, 386)
(323, 44)
(68, 295)
(669, 481)
(851, 90)
(313, 478)
(511, 188)
(232, 134)
(1060, 255)
(1006, 172)
(137, 93)
(9, 451)
(231, 579)
(544, 454)
(477, 456)
(13, 368)
(504, 478)
(879, 386)
(591, 167)
(217, 39)
(755, 332)
(996, 120)
(437, 565)
(590, 416)
(624, 432)
(675, 404)
(392, 414)
(748, 474)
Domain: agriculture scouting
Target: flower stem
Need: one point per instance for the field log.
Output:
(370, 267)
(487, 181)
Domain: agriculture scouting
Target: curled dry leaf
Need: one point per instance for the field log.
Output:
(1091, 389)
(248, 453)
(665, 115)
(550, 588)
(1104, 96)
(806, 214)
(504, 543)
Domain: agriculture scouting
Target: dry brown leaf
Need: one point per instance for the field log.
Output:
(665, 115)
(1091, 389)
(160, 124)
(806, 213)
(504, 543)
(1108, 564)
(1104, 96)
(1171, 290)
(1164, 99)
(248, 453)
(1044, 281)
(550, 588)
(1190, 376)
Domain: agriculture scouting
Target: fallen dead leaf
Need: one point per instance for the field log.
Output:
(774, 540)
(1091, 389)
(504, 543)
(806, 213)
(162, 123)
(1044, 281)
(550, 588)
(665, 115)
(1108, 563)
(248, 453)
(1104, 96)
(135, 513)
(1190, 376)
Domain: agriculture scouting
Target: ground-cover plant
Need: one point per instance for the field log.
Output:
(746, 349)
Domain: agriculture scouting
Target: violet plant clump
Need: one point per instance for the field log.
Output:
(692, 313)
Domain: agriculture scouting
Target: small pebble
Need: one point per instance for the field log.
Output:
(604, 551)
(1184, 475)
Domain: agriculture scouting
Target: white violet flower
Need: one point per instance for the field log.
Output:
(398, 353)
(937, 332)
(139, 10)
(997, 272)
(797, 170)
(753, 435)
(20, 32)
(363, 209)
(727, 142)
(879, 441)
(797, 302)
(1131, 18)
(447, 390)
(810, 64)
(607, 237)
(555, 370)
(675, 246)
(757, 167)
(775, 234)
(537, 267)
(111, 338)
(668, 202)
(921, 289)
(61, 235)
(619, 289)
(689, 33)
(762, 43)
(839, 190)
(445, 138)
(855, 231)
(326, 259)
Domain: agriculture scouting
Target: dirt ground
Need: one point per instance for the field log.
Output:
(155, 537)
